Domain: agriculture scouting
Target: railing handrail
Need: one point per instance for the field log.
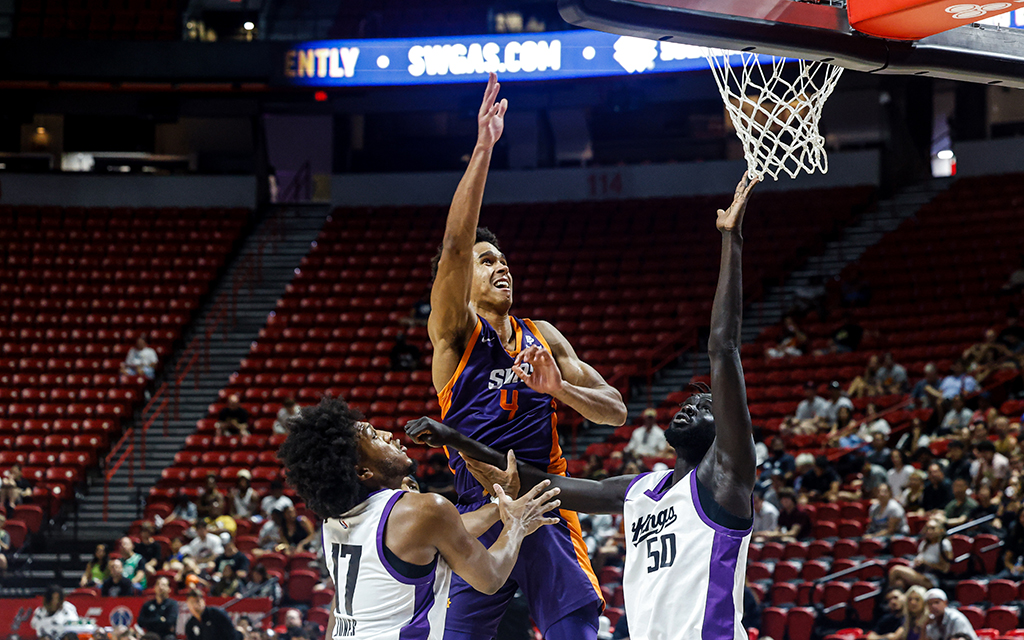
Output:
(848, 571)
(970, 525)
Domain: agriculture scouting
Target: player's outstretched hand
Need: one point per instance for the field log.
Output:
(491, 119)
(527, 513)
(429, 432)
(488, 475)
(544, 376)
(732, 218)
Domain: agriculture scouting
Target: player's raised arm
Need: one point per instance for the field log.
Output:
(566, 378)
(450, 314)
(490, 467)
(731, 471)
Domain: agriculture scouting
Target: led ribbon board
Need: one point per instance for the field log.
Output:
(526, 56)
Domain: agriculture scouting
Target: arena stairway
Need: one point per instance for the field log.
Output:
(864, 232)
(284, 237)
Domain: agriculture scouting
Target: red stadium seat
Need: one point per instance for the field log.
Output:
(272, 561)
(300, 585)
(783, 593)
(1003, 619)
(800, 623)
(971, 592)
(773, 623)
(1000, 592)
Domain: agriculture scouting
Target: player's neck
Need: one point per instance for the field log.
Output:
(501, 323)
(682, 468)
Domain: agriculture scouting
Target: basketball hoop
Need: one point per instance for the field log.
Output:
(775, 105)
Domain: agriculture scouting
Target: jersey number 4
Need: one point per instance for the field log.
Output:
(661, 551)
(510, 406)
(353, 552)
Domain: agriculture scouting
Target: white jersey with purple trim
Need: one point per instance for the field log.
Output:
(372, 600)
(684, 575)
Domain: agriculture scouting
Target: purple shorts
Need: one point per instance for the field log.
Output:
(553, 570)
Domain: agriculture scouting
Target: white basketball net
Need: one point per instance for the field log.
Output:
(775, 118)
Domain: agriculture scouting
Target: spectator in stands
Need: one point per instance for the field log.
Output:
(14, 488)
(271, 537)
(937, 491)
(263, 586)
(958, 465)
(898, 475)
(98, 568)
(880, 454)
(986, 507)
(118, 584)
(891, 620)
(844, 432)
(140, 361)
(244, 501)
(891, 377)
(184, 509)
(866, 384)
(794, 522)
(288, 409)
(133, 564)
(958, 382)
(934, 557)
(1013, 550)
(647, 439)
(961, 505)
(227, 583)
(404, 356)
(872, 477)
(804, 464)
(1005, 434)
(913, 495)
(791, 344)
(149, 549)
(766, 518)
(914, 618)
(275, 500)
(821, 483)
(207, 623)
(809, 297)
(205, 546)
(232, 556)
(5, 545)
(160, 615)
(957, 418)
(50, 620)
(983, 358)
(210, 498)
(1012, 335)
(233, 419)
(990, 468)
(836, 401)
(946, 622)
(926, 392)
(419, 312)
(847, 337)
(778, 459)
(295, 627)
(812, 406)
(985, 412)
(221, 524)
(297, 531)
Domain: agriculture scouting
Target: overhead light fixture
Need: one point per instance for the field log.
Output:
(248, 25)
(945, 154)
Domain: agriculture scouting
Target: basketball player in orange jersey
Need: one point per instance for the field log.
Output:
(482, 365)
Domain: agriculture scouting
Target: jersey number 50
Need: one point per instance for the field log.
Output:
(661, 555)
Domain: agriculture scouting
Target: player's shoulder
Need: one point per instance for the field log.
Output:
(427, 507)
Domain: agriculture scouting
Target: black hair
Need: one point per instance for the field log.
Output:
(821, 462)
(52, 589)
(320, 456)
(483, 234)
(986, 445)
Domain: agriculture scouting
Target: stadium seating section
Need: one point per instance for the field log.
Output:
(99, 19)
(77, 287)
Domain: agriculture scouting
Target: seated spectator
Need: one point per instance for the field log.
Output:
(913, 496)
(983, 358)
(958, 464)
(880, 454)
(986, 507)
(232, 556)
(961, 505)
(809, 297)
(297, 531)
(778, 460)
(150, 550)
(227, 583)
(133, 565)
(934, 557)
(244, 501)
(419, 312)
(866, 384)
(914, 619)
(891, 377)
(271, 536)
(836, 401)
(1005, 434)
(232, 419)
(872, 477)
(220, 523)
(206, 623)
(5, 545)
(140, 361)
(275, 500)
(791, 344)
(118, 584)
(985, 412)
(821, 483)
(813, 405)
(262, 586)
(989, 468)
(794, 522)
(98, 568)
(50, 620)
(898, 475)
(886, 516)
(766, 519)
(937, 491)
(294, 627)
(1013, 550)
(957, 418)
(847, 337)
(404, 356)
(205, 546)
(14, 488)
(892, 619)
(184, 509)
(844, 431)
(648, 439)
(926, 392)
(210, 498)
(288, 409)
(1012, 335)
(946, 622)
(958, 382)
(160, 615)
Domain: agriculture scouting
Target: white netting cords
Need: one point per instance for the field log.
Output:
(776, 119)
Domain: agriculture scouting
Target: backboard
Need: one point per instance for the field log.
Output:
(812, 31)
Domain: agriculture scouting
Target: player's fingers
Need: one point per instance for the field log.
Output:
(548, 497)
(511, 459)
(504, 107)
(520, 374)
(547, 521)
(499, 493)
(540, 486)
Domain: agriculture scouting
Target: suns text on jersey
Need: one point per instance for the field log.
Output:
(501, 377)
(652, 525)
